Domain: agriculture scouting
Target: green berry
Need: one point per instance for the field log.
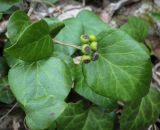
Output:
(92, 38)
(94, 46)
(86, 49)
(95, 56)
(84, 39)
(86, 59)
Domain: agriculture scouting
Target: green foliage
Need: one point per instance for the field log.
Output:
(82, 88)
(120, 70)
(7, 4)
(34, 43)
(139, 115)
(5, 93)
(42, 73)
(79, 116)
(156, 15)
(41, 88)
(137, 28)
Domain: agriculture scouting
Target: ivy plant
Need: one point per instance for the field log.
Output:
(44, 76)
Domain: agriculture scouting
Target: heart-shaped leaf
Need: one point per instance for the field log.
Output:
(6, 4)
(81, 87)
(18, 21)
(138, 116)
(77, 116)
(92, 24)
(120, 70)
(41, 88)
(34, 43)
(137, 28)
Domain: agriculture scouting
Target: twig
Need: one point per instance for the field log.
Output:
(83, 3)
(31, 9)
(66, 44)
(8, 112)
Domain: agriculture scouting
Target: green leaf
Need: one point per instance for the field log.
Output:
(123, 70)
(16, 25)
(138, 116)
(55, 26)
(1, 15)
(6, 4)
(5, 94)
(80, 117)
(34, 43)
(52, 1)
(3, 67)
(41, 88)
(137, 28)
(82, 88)
(156, 16)
(92, 24)
(69, 34)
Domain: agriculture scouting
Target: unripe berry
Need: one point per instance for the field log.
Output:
(86, 59)
(94, 46)
(84, 39)
(92, 38)
(95, 56)
(86, 49)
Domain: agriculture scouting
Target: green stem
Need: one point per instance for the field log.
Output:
(67, 44)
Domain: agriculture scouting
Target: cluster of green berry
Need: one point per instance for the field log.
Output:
(89, 48)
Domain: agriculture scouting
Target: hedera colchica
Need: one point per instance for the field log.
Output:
(42, 77)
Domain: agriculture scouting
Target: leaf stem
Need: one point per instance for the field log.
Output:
(66, 44)
(8, 112)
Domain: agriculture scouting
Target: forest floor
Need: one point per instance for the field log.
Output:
(113, 12)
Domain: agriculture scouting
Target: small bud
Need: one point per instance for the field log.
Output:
(84, 39)
(86, 59)
(86, 49)
(92, 38)
(94, 46)
(95, 56)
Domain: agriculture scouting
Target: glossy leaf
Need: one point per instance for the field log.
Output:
(17, 23)
(69, 34)
(6, 4)
(137, 28)
(5, 94)
(41, 88)
(34, 43)
(92, 24)
(120, 70)
(138, 116)
(82, 88)
(80, 117)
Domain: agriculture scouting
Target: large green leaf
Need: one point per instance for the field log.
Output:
(82, 88)
(79, 116)
(92, 24)
(137, 28)
(6, 4)
(138, 116)
(34, 43)
(5, 94)
(16, 25)
(69, 34)
(123, 70)
(41, 88)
